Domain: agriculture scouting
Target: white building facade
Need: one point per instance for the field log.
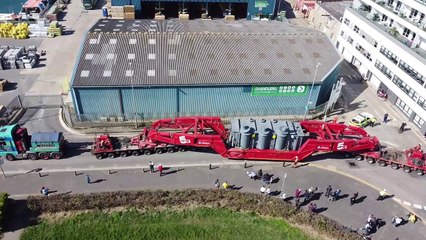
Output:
(386, 41)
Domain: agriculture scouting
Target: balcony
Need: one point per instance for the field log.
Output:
(422, 1)
(394, 13)
(374, 19)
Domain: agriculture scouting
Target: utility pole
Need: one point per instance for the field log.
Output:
(1, 163)
(135, 118)
(310, 92)
(284, 178)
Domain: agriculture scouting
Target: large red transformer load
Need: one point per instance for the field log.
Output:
(248, 139)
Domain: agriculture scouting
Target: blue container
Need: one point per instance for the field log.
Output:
(105, 11)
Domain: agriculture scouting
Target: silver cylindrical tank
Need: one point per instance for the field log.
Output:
(280, 138)
(245, 137)
(264, 139)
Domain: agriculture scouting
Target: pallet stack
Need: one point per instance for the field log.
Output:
(39, 29)
(129, 12)
(117, 12)
(55, 29)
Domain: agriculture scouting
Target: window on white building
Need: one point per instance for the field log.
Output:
(422, 102)
(356, 29)
(383, 69)
(398, 6)
(404, 107)
(418, 121)
(406, 32)
(389, 55)
(347, 21)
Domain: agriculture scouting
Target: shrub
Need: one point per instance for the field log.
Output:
(234, 200)
(3, 202)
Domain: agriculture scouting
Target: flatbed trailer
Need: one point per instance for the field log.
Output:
(249, 139)
(409, 160)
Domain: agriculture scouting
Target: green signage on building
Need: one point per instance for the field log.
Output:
(282, 90)
(261, 4)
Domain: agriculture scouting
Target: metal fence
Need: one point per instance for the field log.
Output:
(145, 119)
(36, 101)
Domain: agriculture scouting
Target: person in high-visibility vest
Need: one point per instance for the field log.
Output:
(412, 217)
(225, 185)
(382, 195)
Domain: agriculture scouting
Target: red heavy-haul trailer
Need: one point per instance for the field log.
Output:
(409, 160)
(248, 139)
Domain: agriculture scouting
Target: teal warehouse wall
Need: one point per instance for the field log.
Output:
(161, 102)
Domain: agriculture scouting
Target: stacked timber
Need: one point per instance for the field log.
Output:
(129, 12)
(117, 12)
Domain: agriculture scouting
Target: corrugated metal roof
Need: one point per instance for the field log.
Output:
(197, 52)
(46, 137)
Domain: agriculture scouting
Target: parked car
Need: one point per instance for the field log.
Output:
(363, 120)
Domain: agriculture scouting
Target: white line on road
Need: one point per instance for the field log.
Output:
(397, 200)
(93, 168)
(407, 203)
(418, 206)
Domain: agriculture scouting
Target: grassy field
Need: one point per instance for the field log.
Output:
(201, 223)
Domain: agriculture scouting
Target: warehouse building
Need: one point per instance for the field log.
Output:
(149, 69)
(214, 8)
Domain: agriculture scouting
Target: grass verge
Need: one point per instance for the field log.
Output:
(184, 199)
(3, 202)
(199, 223)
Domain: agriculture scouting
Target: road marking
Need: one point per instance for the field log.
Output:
(397, 200)
(407, 203)
(418, 206)
(132, 167)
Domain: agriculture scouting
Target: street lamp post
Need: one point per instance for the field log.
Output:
(310, 92)
(133, 96)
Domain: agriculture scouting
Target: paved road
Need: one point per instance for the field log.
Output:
(202, 177)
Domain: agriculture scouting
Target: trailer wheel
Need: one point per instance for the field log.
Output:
(419, 172)
(10, 157)
(158, 151)
(123, 154)
(32, 156)
(44, 156)
(99, 156)
(359, 158)
(147, 152)
(56, 155)
(170, 150)
(135, 153)
(371, 160)
(394, 166)
(406, 169)
(182, 149)
(111, 155)
(382, 163)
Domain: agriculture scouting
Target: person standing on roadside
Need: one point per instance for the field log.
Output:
(385, 118)
(262, 189)
(353, 198)
(382, 195)
(160, 169)
(328, 191)
(151, 166)
(225, 185)
(217, 184)
(89, 181)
